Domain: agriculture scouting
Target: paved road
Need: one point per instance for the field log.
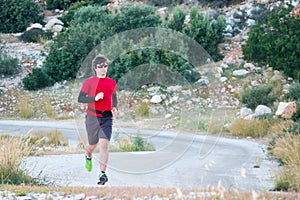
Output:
(181, 159)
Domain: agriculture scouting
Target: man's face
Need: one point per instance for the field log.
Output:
(101, 69)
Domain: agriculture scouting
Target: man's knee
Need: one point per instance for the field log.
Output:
(104, 143)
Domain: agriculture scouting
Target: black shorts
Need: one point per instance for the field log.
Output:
(98, 127)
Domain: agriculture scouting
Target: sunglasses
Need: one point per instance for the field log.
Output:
(103, 65)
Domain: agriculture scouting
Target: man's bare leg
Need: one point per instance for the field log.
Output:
(103, 143)
(90, 149)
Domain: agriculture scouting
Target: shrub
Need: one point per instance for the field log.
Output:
(177, 21)
(11, 158)
(294, 92)
(294, 128)
(287, 149)
(90, 26)
(59, 4)
(253, 128)
(160, 3)
(206, 31)
(142, 110)
(296, 115)
(65, 4)
(52, 138)
(68, 16)
(276, 42)
(137, 143)
(35, 35)
(16, 15)
(26, 110)
(36, 80)
(8, 65)
(258, 96)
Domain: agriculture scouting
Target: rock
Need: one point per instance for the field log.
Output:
(168, 116)
(233, 60)
(245, 112)
(2, 90)
(58, 28)
(250, 22)
(52, 23)
(79, 196)
(202, 81)
(254, 83)
(249, 66)
(176, 88)
(240, 72)
(224, 66)
(156, 99)
(35, 25)
(223, 79)
(286, 109)
(262, 109)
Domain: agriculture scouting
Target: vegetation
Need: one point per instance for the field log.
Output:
(53, 138)
(259, 96)
(11, 158)
(36, 35)
(249, 128)
(16, 15)
(65, 4)
(136, 143)
(276, 42)
(294, 92)
(37, 79)
(92, 24)
(287, 149)
(8, 65)
(206, 31)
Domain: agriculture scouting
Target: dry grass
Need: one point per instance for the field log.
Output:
(13, 151)
(26, 110)
(250, 128)
(287, 148)
(48, 138)
(125, 193)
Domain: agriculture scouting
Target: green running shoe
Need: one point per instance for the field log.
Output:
(88, 164)
(102, 178)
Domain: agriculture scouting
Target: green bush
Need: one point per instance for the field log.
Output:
(294, 129)
(90, 26)
(206, 31)
(36, 80)
(294, 92)
(276, 42)
(35, 35)
(8, 65)
(176, 23)
(160, 3)
(258, 96)
(16, 15)
(66, 4)
(59, 4)
(68, 16)
(296, 115)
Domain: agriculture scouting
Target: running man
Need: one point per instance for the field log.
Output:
(99, 92)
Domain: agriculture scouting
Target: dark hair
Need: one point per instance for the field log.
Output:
(98, 60)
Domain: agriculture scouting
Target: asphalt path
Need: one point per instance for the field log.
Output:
(181, 159)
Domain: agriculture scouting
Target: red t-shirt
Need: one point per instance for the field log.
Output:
(92, 86)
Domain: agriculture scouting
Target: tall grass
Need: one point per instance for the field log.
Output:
(287, 148)
(13, 151)
(52, 138)
(253, 128)
(26, 110)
